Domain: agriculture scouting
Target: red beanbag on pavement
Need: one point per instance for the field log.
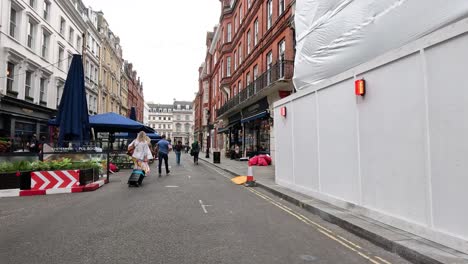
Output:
(113, 167)
(262, 162)
(266, 157)
(253, 161)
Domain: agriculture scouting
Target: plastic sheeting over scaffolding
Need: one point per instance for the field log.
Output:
(336, 35)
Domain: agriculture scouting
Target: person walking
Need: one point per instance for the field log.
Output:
(178, 151)
(195, 151)
(163, 151)
(141, 153)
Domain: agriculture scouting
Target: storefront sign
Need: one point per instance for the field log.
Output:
(256, 108)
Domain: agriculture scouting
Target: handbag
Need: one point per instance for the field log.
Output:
(130, 150)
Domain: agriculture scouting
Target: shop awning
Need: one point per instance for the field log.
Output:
(254, 117)
(223, 130)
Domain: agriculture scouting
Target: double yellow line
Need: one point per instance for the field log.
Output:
(325, 231)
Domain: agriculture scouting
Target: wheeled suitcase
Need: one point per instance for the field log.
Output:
(136, 178)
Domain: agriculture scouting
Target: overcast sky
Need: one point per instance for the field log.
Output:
(165, 41)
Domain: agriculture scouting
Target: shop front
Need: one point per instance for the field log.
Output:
(20, 120)
(233, 136)
(256, 123)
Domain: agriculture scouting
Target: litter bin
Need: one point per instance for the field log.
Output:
(216, 157)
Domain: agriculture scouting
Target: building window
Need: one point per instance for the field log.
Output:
(228, 67)
(178, 117)
(240, 54)
(255, 75)
(187, 118)
(46, 8)
(269, 14)
(247, 77)
(95, 75)
(249, 3)
(239, 85)
(240, 14)
(235, 60)
(27, 86)
(13, 15)
(187, 128)
(178, 127)
(62, 26)
(164, 126)
(229, 32)
(78, 43)
(32, 3)
(30, 39)
(178, 107)
(249, 41)
(60, 57)
(43, 91)
(281, 56)
(269, 60)
(159, 126)
(45, 43)
(10, 76)
(234, 90)
(280, 7)
(59, 96)
(71, 35)
(256, 32)
(235, 23)
(69, 60)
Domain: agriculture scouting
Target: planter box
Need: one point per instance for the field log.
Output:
(11, 181)
(88, 176)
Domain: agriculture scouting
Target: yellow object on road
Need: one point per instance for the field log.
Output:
(239, 180)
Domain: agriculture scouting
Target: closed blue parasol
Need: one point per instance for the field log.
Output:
(132, 117)
(72, 116)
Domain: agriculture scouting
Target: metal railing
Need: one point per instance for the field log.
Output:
(283, 70)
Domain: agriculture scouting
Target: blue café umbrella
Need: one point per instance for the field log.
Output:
(112, 122)
(72, 116)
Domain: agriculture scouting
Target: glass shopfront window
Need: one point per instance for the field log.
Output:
(257, 137)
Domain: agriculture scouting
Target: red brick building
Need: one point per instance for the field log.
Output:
(248, 66)
(135, 91)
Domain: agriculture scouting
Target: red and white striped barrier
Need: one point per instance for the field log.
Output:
(87, 188)
(46, 180)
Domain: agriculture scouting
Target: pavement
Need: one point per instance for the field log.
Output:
(193, 215)
(409, 246)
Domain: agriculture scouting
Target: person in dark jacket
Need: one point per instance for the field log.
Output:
(178, 151)
(195, 151)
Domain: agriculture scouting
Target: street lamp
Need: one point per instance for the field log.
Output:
(208, 135)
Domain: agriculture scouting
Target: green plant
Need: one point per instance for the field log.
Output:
(6, 167)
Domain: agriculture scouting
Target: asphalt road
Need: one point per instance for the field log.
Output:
(194, 215)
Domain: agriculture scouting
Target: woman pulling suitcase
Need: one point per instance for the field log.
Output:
(141, 153)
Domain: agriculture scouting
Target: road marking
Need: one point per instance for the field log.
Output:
(346, 243)
(204, 206)
(349, 242)
(290, 211)
(383, 260)
(171, 186)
